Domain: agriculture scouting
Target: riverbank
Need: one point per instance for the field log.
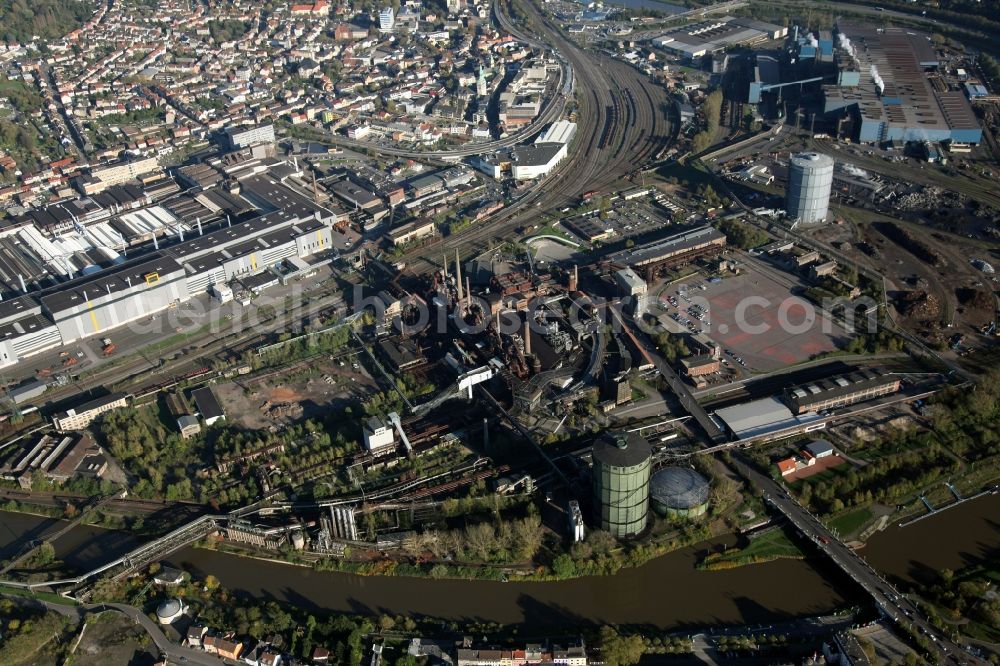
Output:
(668, 593)
(774, 544)
(603, 558)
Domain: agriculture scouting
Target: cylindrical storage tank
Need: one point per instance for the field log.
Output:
(621, 483)
(169, 610)
(679, 492)
(810, 177)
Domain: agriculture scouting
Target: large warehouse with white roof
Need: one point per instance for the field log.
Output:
(77, 282)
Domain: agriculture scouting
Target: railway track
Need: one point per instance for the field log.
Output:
(622, 124)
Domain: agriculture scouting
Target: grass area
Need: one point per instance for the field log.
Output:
(851, 522)
(772, 545)
(552, 230)
(775, 543)
(41, 596)
(691, 176)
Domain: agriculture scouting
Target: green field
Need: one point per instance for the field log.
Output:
(852, 521)
(769, 546)
(773, 544)
(41, 596)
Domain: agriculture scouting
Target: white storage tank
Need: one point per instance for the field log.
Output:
(810, 178)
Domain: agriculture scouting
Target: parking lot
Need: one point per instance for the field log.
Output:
(755, 319)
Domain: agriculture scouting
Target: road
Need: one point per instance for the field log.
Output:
(888, 600)
(174, 652)
(676, 384)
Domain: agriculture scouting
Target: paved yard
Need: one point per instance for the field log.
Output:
(758, 319)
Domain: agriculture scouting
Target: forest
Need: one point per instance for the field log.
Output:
(47, 19)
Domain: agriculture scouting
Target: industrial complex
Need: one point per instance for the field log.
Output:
(422, 294)
(151, 256)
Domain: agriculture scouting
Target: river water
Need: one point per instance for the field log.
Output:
(667, 592)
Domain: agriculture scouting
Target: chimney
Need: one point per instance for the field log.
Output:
(23, 287)
(571, 284)
(468, 294)
(458, 277)
(200, 232)
(444, 263)
(156, 243)
(527, 334)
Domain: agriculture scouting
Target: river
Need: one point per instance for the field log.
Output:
(667, 592)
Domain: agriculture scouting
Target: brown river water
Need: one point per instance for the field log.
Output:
(667, 592)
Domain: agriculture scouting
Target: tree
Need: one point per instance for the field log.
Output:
(564, 566)
(211, 582)
(618, 650)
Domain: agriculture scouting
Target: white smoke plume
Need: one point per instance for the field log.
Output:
(855, 171)
(845, 43)
(813, 42)
(877, 79)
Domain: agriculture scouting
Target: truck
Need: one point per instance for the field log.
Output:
(222, 292)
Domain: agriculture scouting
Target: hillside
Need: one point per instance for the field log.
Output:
(47, 19)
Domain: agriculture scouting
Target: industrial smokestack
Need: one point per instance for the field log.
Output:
(156, 242)
(23, 287)
(458, 277)
(200, 232)
(468, 294)
(527, 335)
(444, 263)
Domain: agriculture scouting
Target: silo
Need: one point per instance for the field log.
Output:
(679, 492)
(810, 177)
(621, 483)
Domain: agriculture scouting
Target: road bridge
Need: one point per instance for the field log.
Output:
(888, 600)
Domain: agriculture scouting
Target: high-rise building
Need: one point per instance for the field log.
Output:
(244, 136)
(386, 20)
(810, 177)
(621, 483)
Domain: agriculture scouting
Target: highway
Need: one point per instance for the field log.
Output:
(622, 119)
(889, 601)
